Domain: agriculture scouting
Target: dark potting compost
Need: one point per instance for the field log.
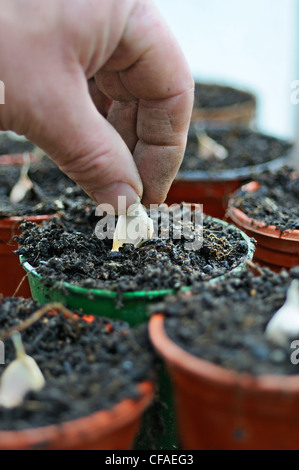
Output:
(52, 190)
(88, 366)
(67, 249)
(275, 202)
(215, 96)
(224, 323)
(245, 149)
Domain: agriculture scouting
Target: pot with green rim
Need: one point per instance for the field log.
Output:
(129, 306)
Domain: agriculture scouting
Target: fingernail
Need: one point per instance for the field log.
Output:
(110, 195)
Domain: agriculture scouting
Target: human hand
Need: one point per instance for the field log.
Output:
(48, 50)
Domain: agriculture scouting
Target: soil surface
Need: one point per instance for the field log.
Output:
(224, 323)
(52, 190)
(112, 358)
(9, 145)
(215, 96)
(245, 148)
(276, 202)
(67, 249)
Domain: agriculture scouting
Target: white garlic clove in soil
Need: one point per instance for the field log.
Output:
(24, 184)
(209, 149)
(285, 323)
(20, 377)
(135, 227)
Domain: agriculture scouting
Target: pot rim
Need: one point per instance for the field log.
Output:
(7, 222)
(244, 111)
(232, 174)
(249, 94)
(71, 432)
(16, 158)
(102, 293)
(177, 358)
(239, 217)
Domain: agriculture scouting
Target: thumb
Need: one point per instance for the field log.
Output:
(86, 147)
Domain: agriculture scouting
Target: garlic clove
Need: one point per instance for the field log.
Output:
(285, 323)
(24, 184)
(209, 149)
(135, 227)
(20, 377)
(20, 190)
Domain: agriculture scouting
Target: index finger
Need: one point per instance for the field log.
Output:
(149, 69)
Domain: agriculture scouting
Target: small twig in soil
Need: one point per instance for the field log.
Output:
(254, 266)
(19, 286)
(35, 317)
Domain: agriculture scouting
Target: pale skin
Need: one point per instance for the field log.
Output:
(64, 61)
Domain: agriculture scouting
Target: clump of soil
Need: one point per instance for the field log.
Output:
(245, 149)
(87, 366)
(215, 96)
(224, 323)
(9, 145)
(276, 201)
(52, 190)
(67, 249)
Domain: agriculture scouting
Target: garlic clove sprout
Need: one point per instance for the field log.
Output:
(24, 184)
(285, 323)
(135, 227)
(20, 377)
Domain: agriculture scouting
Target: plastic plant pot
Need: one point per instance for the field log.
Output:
(11, 273)
(214, 189)
(113, 429)
(221, 409)
(212, 194)
(240, 113)
(274, 249)
(134, 306)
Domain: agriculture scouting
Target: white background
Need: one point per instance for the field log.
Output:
(246, 43)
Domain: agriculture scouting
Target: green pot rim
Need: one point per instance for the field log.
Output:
(146, 294)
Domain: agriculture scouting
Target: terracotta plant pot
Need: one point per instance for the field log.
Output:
(114, 429)
(274, 249)
(225, 410)
(12, 273)
(212, 183)
(16, 159)
(239, 109)
(212, 194)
